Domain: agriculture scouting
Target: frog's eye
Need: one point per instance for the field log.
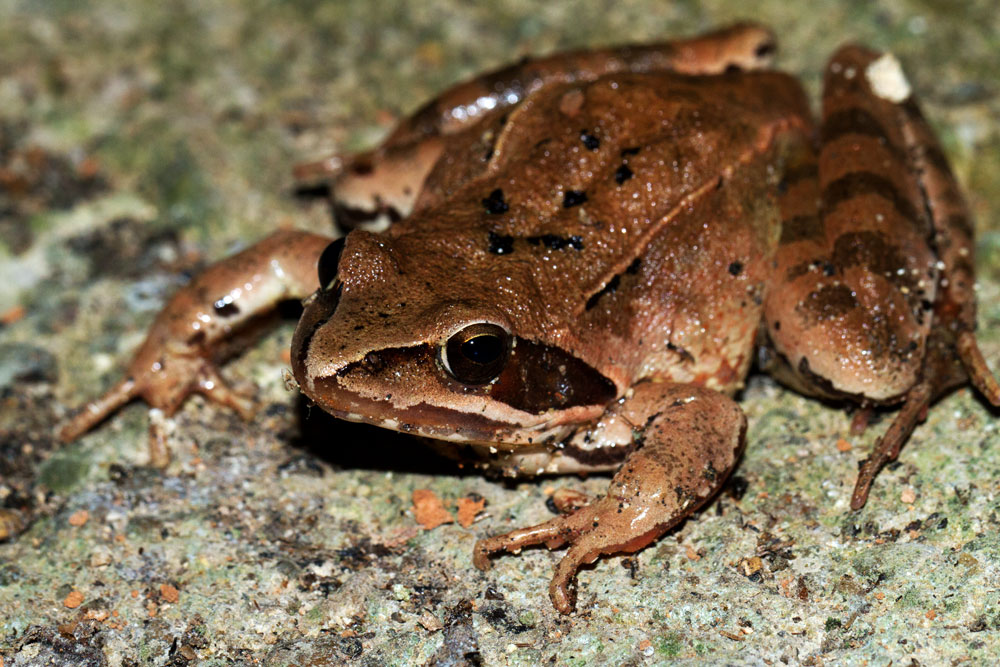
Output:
(328, 263)
(477, 353)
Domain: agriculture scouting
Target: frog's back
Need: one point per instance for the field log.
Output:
(635, 211)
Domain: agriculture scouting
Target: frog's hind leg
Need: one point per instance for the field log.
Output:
(951, 355)
(690, 439)
(876, 302)
(955, 309)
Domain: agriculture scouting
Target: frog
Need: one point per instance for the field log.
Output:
(570, 265)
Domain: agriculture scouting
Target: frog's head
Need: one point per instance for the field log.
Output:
(415, 343)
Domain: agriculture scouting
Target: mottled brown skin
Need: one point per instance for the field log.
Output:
(626, 229)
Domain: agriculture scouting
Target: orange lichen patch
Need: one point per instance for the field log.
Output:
(428, 509)
(169, 593)
(73, 600)
(78, 518)
(691, 553)
(152, 609)
(844, 446)
(880, 595)
(644, 644)
(12, 315)
(908, 496)
(134, 594)
(468, 509)
(931, 615)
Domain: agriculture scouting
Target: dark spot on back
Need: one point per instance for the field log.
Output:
(735, 268)
(590, 141)
(501, 244)
(362, 168)
(573, 198)
(494, 203)
(633, 150)
(622, 174)
(226, 309)
(555, 242)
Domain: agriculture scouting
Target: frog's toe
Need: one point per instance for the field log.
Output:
(975, 365)
(211, 385)
(606, 526)
(98, 410)
(553, 533)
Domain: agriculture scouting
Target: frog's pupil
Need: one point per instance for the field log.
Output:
(482, 349)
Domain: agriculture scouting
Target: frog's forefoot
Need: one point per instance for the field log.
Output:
(600, 528)
(165, 391)
(692, 437)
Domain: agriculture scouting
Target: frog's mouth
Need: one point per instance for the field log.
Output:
(405, 389)
(537, 393)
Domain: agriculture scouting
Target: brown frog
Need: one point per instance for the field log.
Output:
(585, 254)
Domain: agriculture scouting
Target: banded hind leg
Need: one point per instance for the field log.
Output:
(875, 302)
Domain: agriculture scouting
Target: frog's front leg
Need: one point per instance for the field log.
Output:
(179, 354)
(689, 438)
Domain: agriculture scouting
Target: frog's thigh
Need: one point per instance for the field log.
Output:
(690, 438)
(853, 303)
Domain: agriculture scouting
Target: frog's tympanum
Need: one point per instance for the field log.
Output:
(582, 257)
